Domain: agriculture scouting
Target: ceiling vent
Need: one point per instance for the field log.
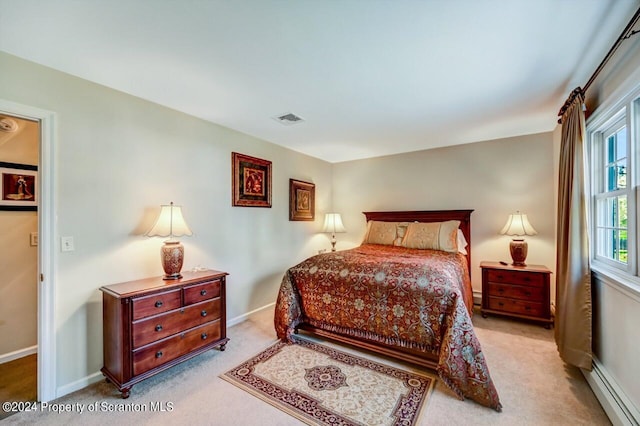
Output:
(288, 119)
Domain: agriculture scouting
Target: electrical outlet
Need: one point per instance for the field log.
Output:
(67, 244)
(34, 239)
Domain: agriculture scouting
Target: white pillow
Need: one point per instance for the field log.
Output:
(462, 243)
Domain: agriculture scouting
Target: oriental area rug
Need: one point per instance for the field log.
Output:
(323, 386)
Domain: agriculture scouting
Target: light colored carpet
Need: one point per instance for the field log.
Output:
(535, 387)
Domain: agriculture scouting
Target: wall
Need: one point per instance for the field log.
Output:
(494, 178)
(616, 300)
(117, 159)
(19, 260)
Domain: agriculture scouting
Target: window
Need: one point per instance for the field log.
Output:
(614, 168)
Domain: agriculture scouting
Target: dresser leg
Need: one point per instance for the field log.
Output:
(223, 347)
(125, 393)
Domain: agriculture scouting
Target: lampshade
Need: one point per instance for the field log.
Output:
(170, 223)
(333, 223)
(518, 224)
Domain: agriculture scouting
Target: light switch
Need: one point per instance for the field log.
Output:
(34, 238)
(67, 244)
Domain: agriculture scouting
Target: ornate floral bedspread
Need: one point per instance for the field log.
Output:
(395, 296)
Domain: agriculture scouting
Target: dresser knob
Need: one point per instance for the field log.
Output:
(159, 354)
(203, 292)
(527, 308)
(204, 336)
(500, 304)
(527, 293)
(159, 304)
(203, 313)
(501, 290)
(527, 279)
(159, 327)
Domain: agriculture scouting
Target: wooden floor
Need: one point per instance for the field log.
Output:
(18, 381)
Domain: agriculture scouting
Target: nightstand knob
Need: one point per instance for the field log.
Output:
(204, 336)
(500, 304)
(527, 293)
(159, 304)
(203, 292)
(501, 290)
(159, 327)
(159, 354)
(527, 308)
(203, 313)
(526, 279)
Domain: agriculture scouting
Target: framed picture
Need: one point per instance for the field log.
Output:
(302, 200)
(19, 186)
(251, 179)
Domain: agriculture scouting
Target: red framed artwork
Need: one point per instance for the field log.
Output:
(18, 187)
(251, 181)
(302, 200)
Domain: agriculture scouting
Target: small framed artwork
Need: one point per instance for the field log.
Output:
(251, 181)
(19, 186)
(302, 200)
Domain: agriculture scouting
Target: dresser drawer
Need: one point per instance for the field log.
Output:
(520, 307)
(198, 292)
(514, 277)
(535, 294)
(155, 304)
(160, 353)
(160, 326)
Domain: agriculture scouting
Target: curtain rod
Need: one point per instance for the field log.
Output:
(626, 34)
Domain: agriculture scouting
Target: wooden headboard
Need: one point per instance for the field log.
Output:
(464, 216)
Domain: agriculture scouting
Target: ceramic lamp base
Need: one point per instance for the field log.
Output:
(518, 250)
(172, 256)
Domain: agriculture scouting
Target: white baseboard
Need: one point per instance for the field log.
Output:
(18, 354)
(79, 384)
(619, 408)
(244, 317)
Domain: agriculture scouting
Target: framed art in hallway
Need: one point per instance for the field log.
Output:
(302, 200)
(251, 181)
(18, 187)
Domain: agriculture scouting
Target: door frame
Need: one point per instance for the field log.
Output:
(46, 244)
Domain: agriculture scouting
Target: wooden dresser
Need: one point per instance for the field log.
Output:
(150, 325)
(516, 291)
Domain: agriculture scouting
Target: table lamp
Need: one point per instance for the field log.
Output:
(518, 225)
(170, 223)
(333, 224)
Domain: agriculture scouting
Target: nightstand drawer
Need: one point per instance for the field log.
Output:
(155, 304)
(160, 326)
(534, 294)
(160, 353)
(515, 277)
(203, 291)
(520, 307)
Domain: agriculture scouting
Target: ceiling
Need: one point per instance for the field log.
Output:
(369, 77)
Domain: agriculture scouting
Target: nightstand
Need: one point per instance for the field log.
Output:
(516, 291)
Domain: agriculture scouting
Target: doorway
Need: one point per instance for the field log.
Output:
(19, 157)
(42, 240)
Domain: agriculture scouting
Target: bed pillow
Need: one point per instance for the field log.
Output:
(462, 243)
(386, 233)
(434, 235)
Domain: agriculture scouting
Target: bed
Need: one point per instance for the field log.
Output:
(404, 292)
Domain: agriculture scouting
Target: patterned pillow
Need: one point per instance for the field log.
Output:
(386, 233)
(435, 235)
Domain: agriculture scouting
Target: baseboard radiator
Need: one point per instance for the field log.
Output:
(620, 409)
